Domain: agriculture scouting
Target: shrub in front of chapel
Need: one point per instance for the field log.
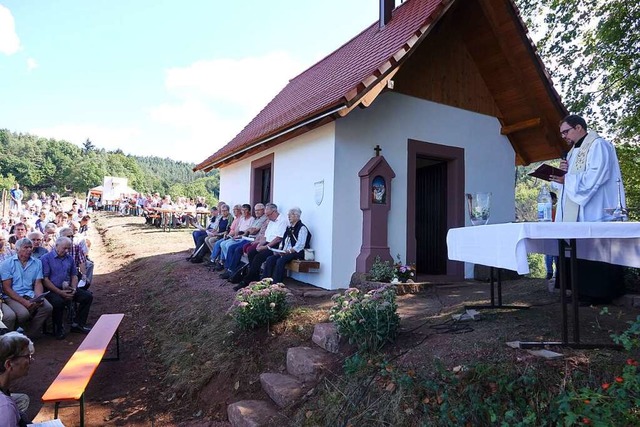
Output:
(261, 303)
(368, 320)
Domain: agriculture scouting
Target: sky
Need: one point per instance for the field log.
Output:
(167, 78)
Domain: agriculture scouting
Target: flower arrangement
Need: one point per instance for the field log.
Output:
(404, 272)
(260, 303)
(381, 271)
(369, 320)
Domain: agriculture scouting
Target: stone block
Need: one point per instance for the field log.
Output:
(326, 336)
(282, 389)
(307, 364)
(252, 413)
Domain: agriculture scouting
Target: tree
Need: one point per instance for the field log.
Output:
(88, 146)
(592, 49)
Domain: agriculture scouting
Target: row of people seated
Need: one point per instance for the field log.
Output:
(34, 289)
(182, 210)
(267, 238)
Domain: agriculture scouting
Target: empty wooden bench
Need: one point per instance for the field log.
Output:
(72, 381)
(302, 266)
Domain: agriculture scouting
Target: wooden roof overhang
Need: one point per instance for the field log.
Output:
(529, 115)
(530, 108)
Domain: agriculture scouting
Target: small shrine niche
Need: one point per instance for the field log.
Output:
(375, 203)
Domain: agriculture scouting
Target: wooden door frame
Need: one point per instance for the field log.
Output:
(454, 156)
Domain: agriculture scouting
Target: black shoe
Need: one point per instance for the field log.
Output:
(197, 260)
(219, 267)
(80, 329)
(60, 335)
(239, 286)
(188, 258)
(225, 275)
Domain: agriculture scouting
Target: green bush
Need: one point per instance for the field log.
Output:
(381, 271)
(261, 303)
(368, 320)
(537, 269)
(616, 398)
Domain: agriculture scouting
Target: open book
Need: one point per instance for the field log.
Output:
(52, 423)
(544, 171)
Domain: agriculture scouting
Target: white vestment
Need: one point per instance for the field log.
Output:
(592, 186)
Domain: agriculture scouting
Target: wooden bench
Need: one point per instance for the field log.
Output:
(72, 381)
(302, 266)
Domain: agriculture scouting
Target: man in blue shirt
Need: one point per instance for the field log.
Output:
(61, 280)
(21, 283)
(16, 197)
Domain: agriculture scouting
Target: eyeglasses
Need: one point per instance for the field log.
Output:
(30, 356)
(566, 131)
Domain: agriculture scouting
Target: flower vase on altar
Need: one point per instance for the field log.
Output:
(479, 207)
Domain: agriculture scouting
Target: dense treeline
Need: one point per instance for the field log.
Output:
(41, 164)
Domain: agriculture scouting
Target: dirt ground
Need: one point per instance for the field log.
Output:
(132, 259)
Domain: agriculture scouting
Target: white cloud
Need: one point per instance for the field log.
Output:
(248, 83)
(216, 98)
(9, 41)
(32, 64)
(211, 102)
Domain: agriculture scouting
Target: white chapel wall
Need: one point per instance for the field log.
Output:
(298, 164)
(390, 121)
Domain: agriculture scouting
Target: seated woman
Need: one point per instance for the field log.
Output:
(214, 234)
(16, 354)
(296, 240)
(233, 231)
(243, 223)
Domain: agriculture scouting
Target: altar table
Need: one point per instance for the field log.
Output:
(507, 245)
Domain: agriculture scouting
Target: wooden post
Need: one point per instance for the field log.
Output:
(4, 202)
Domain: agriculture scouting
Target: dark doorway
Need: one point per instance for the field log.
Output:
(265, 178)
(431, 216)
(435, 204)
(262, 180)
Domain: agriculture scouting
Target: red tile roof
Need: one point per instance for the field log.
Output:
(338, 78)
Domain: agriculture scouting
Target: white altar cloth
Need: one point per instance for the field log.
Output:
(507, 245)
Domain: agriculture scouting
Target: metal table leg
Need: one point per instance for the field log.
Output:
(493, 304)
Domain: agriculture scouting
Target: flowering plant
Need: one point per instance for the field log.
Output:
(404, 272)
(260, 303)
(368, 320)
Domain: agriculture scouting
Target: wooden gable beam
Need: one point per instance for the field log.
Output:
(516, 127)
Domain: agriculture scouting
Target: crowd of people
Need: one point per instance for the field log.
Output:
(44, 268)
(246, 245)
(44, 265)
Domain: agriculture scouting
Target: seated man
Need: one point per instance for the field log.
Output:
(22, 282)
(80, 254)
(38, 239)
(61, 280)
(272, 237)
(19, 232)
(296, 240)
(50, 236)
(16, 355)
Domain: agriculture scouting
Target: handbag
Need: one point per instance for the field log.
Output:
(309, 255)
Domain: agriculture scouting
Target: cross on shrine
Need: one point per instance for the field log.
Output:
(377, 149)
